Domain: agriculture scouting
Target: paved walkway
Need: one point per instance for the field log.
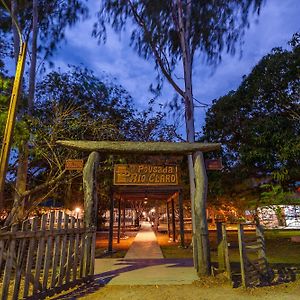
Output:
(144, 265)
(144, 245)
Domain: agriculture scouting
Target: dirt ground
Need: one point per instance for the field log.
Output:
(205, 289)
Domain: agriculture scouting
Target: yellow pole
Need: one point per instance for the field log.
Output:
(10, 122)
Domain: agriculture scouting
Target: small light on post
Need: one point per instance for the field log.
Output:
(77, 211)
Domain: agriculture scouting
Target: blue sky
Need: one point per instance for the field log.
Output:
(278, 20)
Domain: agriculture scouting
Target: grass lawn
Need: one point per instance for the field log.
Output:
(279, 247)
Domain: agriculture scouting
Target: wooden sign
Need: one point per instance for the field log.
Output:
(74, 164)
(143, 174)
(214, 164)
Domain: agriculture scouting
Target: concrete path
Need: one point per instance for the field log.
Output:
(144, 245)
(144, 265)
(145, 271)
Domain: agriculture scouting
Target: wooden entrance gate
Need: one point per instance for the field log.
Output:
(200, 228)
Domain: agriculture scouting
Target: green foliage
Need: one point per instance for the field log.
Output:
(274, 194)
(254, 123)
(77, 105)
(258, 128)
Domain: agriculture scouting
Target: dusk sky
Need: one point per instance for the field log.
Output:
(278, 20)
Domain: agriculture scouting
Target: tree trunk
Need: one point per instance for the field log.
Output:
(21, 181)
(184, 35)
(90, 190)
(201, 229)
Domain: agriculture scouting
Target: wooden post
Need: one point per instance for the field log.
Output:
(168, 219)
(226, 252)
(90, 192)
(200, 237)
(173, 221)
(124, 219)
(242, 254)
(111, 225)
(119, 220)
(220, 246)
(181, 221)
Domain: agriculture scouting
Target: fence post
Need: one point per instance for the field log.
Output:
(226, 252)
(220, 242)
(242, 254)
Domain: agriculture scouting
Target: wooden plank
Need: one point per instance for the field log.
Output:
(226, 252)
(82, 251)
(21, 260)
(10, 255)
(48, 254)
(76, 251)
(56, 254)
(158, 148)
(250, 239)
(254, 244)
(93, 246)
(40, 255)
(220, 248)
(243, 257)
(30, 256)
(70, 252)
(63, 258)
(87, 253)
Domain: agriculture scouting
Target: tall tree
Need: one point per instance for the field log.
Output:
(259, 129)
(77, 105)
(255, 123)
(173, 32)
(46, 22)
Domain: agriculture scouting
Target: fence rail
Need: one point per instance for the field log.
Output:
(44, 253)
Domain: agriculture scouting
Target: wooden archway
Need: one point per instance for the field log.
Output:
(200, 228)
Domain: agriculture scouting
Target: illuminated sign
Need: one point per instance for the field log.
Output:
(74, 164)
(142, 174)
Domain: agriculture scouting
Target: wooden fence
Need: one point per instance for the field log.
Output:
(43, 254)
(255, 269)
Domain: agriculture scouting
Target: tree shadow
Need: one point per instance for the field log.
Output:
(98, 281)
(279, 273)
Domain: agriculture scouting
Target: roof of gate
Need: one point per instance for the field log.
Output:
(121, 147)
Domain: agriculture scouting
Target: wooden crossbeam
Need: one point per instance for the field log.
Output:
(157, 148)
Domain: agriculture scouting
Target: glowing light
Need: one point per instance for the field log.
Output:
(77, 210)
